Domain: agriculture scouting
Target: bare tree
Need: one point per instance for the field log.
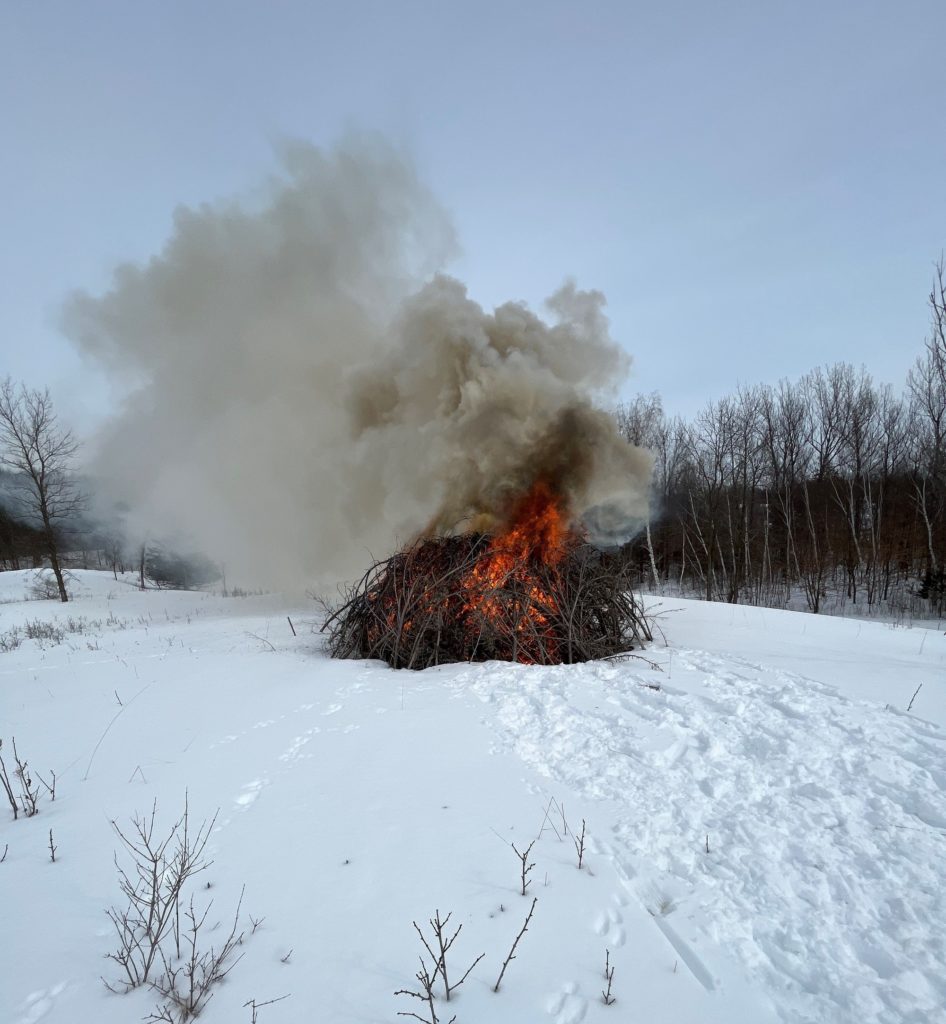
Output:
(40, 453)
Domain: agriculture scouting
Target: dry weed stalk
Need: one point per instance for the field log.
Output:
(28, 798)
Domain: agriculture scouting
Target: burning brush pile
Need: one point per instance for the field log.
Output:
(533, 592)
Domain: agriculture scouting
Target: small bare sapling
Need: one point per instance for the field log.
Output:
(606, 996)
(425, 994)
(512, 952)
(152, 886)
(186, 982)
(525, 866)
(28, 792)
(52, 847)
(443, 945)
(580, 845)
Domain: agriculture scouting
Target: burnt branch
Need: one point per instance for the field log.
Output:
(446, 599)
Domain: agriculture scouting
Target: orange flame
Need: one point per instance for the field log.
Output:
(508, 593)
(538, 536)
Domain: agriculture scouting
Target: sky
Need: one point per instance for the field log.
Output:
(757, 188)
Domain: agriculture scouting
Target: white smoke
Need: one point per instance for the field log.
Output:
(297, 397)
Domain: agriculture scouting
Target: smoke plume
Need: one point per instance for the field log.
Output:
(303, 387)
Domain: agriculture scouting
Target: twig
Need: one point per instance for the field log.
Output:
(52, 847)
(913, 698)
(8, 787)
(444, 945)
(426, 995)
(525, 867)
(609, 974)
(291, 626)
(29, 795)
(580, 844)
(51, 789)
(512, 951)
(254, 1005)
(6, 848)
(262, 640)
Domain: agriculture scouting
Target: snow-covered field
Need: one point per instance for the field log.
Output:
(766, 821)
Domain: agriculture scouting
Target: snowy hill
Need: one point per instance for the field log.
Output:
(766, 822)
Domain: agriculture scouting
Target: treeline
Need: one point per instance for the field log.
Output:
(831, 488)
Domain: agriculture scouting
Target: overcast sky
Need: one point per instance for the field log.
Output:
(757, 187)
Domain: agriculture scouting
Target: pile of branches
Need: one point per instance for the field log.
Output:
(431, 604)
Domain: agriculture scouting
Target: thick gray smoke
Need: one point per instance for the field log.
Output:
(298, 398)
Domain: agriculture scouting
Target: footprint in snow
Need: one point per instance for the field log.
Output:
(568, 1006)
(250, 794)
(332, 709)
(232, 738)
(609, 925)
(294, 749)
(38, 1004)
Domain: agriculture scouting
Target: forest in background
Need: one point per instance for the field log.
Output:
(827, 492)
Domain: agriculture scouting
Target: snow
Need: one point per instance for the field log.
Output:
(766, 821)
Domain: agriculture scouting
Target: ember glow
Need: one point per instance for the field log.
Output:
(532, 592)
(508, 584)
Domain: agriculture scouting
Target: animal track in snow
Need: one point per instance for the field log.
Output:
(609, 925)
(224, 740)
(250, 794)
(568, 1006)
(294, 749)
(38, 1004)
